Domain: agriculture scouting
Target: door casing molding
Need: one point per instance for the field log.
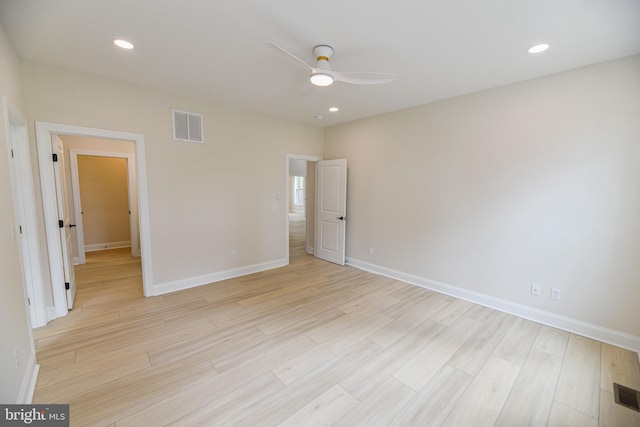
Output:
(44, 133)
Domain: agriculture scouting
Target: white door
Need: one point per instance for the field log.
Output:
(63, 213)
(331, 194)
(24, 202)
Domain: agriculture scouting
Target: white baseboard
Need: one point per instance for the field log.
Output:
(600, 333)
(28, 387)
(110, 245)
(311, 250)
(192, 282)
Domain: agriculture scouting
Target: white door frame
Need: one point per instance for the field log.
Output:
(25, 212)
(289, 156)
(44, 132)
(77, 202)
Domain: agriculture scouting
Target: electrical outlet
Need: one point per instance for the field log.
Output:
(234, 255)
(535, 289)
(370, 251)
(555, 294)
(16, 357)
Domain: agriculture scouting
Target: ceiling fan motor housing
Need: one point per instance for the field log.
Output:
(323, 53)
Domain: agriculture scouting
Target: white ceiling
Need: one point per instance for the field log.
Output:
(216, 49)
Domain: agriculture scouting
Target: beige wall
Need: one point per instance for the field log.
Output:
(536, 182)
(105, 201)
(205, 200)
(15, 332)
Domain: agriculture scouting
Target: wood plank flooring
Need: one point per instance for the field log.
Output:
(315, 344)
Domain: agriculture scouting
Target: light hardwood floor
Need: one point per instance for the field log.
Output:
(315, 344)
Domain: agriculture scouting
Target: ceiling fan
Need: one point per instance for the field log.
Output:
(323, 75)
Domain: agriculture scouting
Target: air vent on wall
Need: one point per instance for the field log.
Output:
(187, 126)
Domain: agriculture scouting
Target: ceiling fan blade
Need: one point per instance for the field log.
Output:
(289, 56)
(364, 78)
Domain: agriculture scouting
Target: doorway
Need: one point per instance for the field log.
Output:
(45, 132)
(110, 175)
(103, 203)
(300, 204)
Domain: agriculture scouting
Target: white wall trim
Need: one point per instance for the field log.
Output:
(206, 279)
(311, 250)
(44, 132)
(28, 387)
(610, 336)
(109, 245)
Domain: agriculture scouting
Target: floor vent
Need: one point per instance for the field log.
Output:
(626, 396)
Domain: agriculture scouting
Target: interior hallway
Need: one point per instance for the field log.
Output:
(297, 236)
(315, 344)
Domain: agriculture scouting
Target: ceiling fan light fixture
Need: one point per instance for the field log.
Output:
(321, 79)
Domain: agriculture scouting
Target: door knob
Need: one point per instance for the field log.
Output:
(341, 218)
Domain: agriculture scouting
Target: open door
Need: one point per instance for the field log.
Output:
(65, 224)
(331, 193)
(25, 211)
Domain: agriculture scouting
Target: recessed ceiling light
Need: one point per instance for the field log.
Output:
(538, 48)
(123, 44)
(333, 109)
(319, 117)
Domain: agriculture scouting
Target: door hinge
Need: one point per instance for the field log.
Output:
(12, 153)
(55, 157)
(28, 300)
(66, 285)
(20, 228)
(60, 223)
